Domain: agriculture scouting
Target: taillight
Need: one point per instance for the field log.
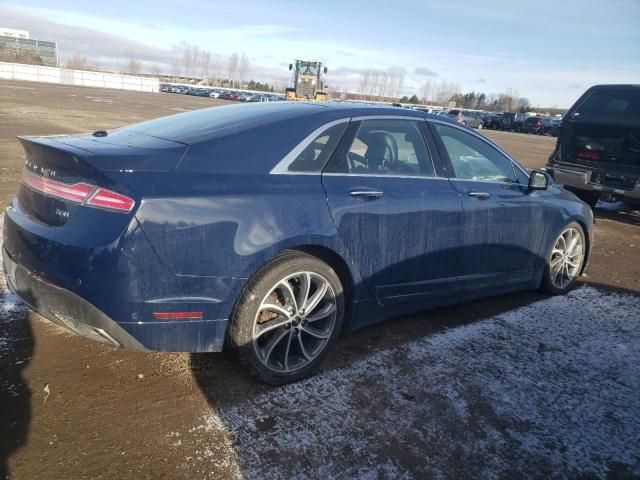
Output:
(588, 155)
(104, 198)
(76, 193)
(81, 192)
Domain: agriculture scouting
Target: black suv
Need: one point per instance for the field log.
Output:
(597, 155)
(512, 121)
(540, 126)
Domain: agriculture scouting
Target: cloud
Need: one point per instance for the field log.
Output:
(344, 53)
(481, 80)
(424, 72)
(347, 71)
(256, 30)
(111, 50)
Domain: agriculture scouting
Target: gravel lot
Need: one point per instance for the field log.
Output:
(517, 386)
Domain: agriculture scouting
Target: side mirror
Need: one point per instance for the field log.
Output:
(539, 180)
(290, 66)
(325, 69)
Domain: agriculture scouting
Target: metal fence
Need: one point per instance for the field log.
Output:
(81, 78)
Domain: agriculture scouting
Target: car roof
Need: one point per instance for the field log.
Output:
(208, 123)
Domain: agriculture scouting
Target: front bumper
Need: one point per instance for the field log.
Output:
(71, 311)
(584, 179)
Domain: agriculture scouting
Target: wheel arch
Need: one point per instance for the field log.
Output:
(337, 263)
(587, 238)
(352, 283)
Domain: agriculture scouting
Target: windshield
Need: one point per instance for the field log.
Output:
(307, 68)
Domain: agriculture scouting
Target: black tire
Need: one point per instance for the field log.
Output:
(241, 327)
(547, 284)
(632, 203)
(588, 197)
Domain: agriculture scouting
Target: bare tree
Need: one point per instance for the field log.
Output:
(175, 67)
(426, 91)
(243, 68)
(205, 65)
(365, 81)
(78, 62)
(232, 68)
(189, 57)
(384, 84)
(134, 66)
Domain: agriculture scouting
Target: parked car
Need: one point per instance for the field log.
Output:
(597, 154)
(472, 119)
(136, 238)
(492, 121)
(214, 94)
(512, 121)
(229, 95)
(463, 117)
(535, 125)
(258, 97)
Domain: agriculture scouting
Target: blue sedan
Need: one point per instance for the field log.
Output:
(269, 228)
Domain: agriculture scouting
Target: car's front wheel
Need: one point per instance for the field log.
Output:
(287, 318)
(564, 262)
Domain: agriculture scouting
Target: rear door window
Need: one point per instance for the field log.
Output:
(385, 147)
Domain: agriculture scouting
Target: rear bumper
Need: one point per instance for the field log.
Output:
(581, 179)
(64, 307)
(71, 311)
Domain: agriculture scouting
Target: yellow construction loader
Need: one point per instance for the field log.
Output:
(308, 82)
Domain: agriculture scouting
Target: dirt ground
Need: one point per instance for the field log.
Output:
(517, 386)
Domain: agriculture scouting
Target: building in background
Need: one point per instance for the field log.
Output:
(12, 32)
(16, 46)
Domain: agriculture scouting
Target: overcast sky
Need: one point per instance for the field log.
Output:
(549, 50)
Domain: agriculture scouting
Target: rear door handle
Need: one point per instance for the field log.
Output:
(479, 195)
(372, 194)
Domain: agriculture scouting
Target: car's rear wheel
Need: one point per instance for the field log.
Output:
(288, 318)
(564, 262)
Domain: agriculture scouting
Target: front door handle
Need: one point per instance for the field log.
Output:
(372, 194)
(479, 195)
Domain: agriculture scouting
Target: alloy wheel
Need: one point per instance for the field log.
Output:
(566, 258)
(294, 322)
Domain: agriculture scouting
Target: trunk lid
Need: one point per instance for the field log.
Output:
(58, 170)
(600, 146)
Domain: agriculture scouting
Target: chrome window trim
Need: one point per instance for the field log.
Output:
(514, 162)
(342, 174)
(282, 167)
(485, 181)
(416, 118)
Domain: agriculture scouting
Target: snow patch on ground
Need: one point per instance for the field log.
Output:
(550, 389)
